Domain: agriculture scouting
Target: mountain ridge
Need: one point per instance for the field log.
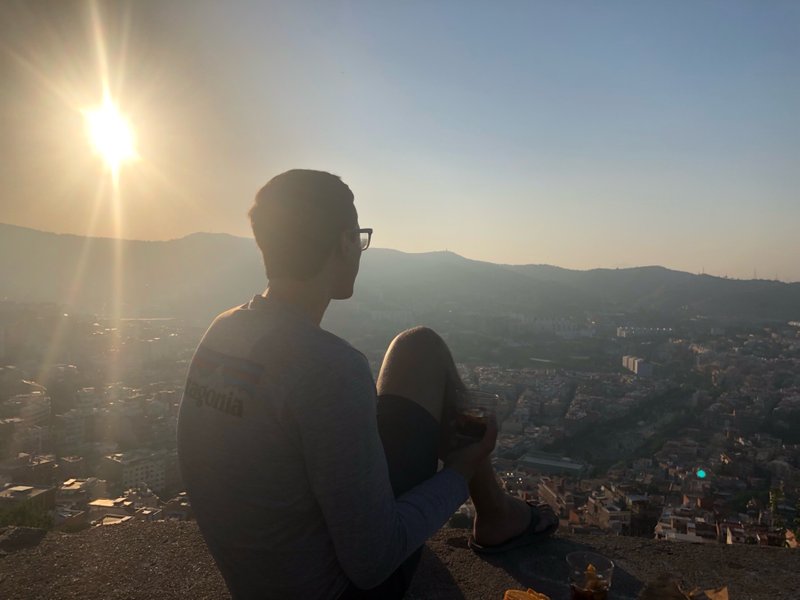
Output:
(212, 234)
(203, 273)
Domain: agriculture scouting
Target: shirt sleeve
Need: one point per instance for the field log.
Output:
(372, 532)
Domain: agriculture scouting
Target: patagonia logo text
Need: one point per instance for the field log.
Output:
(228, 401)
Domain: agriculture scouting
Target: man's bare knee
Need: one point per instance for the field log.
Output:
(420, 349)
(420, 336)
(415, 367)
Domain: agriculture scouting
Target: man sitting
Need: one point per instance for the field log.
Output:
(307, 479)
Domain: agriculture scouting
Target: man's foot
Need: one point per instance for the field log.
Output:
(496, 528)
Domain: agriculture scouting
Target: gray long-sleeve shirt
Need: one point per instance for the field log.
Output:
(280, 453)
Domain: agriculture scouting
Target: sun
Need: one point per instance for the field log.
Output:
(110, 134)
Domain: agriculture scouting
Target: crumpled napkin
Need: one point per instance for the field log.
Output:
(524, 595)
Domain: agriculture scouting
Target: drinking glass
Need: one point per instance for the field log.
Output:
(589, 575)
(474, 408)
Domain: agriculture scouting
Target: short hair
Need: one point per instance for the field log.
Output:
(297, 218)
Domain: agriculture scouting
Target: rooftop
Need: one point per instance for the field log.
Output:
(21, 491)
(168, 560)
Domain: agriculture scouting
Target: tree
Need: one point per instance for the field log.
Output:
(775, 497)
(26, 515)
(797, 519)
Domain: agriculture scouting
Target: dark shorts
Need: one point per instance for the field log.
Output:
(410, 437)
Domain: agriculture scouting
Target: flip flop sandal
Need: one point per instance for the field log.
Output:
(527, 537)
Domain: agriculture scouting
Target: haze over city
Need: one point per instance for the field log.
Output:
(559, 342)
(579, 135)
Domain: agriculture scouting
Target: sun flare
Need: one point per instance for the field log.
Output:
(110, 134)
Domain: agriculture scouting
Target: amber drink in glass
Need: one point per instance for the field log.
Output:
(589, 575)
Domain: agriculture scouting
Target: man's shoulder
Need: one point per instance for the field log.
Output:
(233, 331)
(228, 318)
(279, 338)
(326, 352)
(330, 342)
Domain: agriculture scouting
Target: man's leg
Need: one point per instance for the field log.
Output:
(411, 390)
(419, 366)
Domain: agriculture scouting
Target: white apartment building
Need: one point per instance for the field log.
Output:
(129, 469)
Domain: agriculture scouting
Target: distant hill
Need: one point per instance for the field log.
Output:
(202, 274)
(186, 276)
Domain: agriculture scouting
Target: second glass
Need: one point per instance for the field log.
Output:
(590, 575)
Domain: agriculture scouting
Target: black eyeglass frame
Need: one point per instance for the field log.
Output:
(368, 231)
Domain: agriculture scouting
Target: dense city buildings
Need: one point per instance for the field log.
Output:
(685, 431)
(91, 420)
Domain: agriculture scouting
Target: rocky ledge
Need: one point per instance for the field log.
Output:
(169, 560)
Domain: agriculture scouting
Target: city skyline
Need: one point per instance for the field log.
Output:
(587, 137)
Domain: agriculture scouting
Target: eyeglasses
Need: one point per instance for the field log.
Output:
(365, 237)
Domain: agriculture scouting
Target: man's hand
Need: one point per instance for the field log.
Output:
(466, 459)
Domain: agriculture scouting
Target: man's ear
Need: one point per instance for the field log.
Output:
(343, 247)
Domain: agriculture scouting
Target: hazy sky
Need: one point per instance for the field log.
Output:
(580, 134)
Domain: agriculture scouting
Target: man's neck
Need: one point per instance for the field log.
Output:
(309, 298)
